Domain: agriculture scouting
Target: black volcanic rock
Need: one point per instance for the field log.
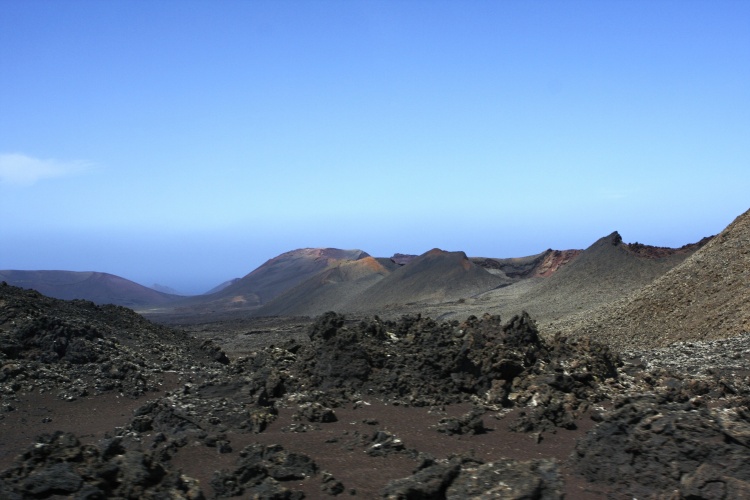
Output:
(687, 434)
(423, 362)
(50, 339)
(460, 478)
(104, 348)
(260, 471)
(648, 445)
(470, 423)
(431, 481)
(540, 479)
(58, 464)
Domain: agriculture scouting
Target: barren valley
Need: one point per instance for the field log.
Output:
(616, 371)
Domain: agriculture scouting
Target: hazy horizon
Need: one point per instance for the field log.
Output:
(186, 143)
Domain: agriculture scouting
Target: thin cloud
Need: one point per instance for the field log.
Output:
(23, 170)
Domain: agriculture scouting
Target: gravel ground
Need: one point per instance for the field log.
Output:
(99, 403)
(726, 356)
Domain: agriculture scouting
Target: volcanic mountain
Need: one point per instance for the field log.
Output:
(543, 264)
(221, 286)
(370, 286)
(433, 277)
(706, 297)
(273, 278)
(331, 289)
(101, 288)
(556, 284)
(309, 282)
(605, 271)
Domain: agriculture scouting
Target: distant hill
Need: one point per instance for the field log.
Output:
(544, 264)
(101, 288)
(407, 281)
(559, 288)
(330, 290)
(271, 279)
(221, 286)
(606, 271)
(311, 281)
(705, 297)
(165, 289)
(433, 277)
(403, 258)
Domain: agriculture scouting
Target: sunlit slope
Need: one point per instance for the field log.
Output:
(705, 297)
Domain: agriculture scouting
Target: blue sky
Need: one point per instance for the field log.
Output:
(185, 143)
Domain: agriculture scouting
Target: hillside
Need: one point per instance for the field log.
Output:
(544, 264)
(221, 286)
(605, 271)
(271, 279)
(582, 280)
(329, 290)
(433, 277)
(100, 288)
(705, 297)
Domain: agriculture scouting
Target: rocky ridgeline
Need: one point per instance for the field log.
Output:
(667, 424)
